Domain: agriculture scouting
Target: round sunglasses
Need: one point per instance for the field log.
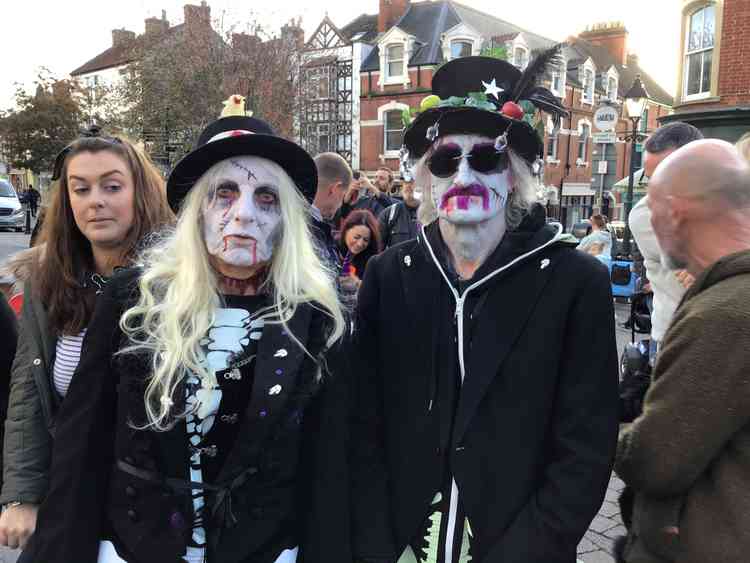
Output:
(483, 158)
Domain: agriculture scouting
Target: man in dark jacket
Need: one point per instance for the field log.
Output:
(687, 456)
(491, 438)
(398, 223)
(334, 178)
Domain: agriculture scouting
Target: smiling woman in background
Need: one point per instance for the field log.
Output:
(110, 196)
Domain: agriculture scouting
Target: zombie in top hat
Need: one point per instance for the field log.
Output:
(195, 428)
(487, 405)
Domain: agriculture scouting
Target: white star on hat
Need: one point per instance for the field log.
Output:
(492, 88)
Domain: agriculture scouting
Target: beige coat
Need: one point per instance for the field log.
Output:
(688, 455)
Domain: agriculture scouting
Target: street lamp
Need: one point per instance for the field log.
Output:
(635, 103)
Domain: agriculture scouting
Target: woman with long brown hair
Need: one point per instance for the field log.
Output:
(109, 197)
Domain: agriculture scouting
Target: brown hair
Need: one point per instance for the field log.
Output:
(390, 173)
(332, 167)
(363, 218)
(67, 253)
(599, 220)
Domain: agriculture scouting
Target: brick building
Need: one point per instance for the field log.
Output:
(407, 42)
(713, 88)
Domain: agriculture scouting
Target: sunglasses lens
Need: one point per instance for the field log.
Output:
(486, 159)
(444, 162)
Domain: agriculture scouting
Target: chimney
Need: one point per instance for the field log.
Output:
(294, 34)
(122, 37)
(390, 12)
(245, 43)
(197, 17)
(612, 36)
(156, 26)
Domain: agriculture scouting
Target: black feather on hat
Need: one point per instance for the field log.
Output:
(481, 95)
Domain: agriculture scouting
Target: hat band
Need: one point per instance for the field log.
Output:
(227, 134)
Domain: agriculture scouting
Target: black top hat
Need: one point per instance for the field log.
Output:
(241, 136)
(472, 94)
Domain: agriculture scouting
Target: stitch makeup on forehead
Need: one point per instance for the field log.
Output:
(246, 169)
(242, 213)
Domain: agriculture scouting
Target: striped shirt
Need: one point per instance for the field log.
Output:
(67, 355)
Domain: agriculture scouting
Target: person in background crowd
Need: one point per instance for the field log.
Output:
(359, 241)
(205, 368)
(398, 223)
(599, 236)
(8, 342)
(364, 195)
(334, 179)
(666, 285)
(493, 438)
(687, 456)
(33, 197)
(743, 146)
(110, 197)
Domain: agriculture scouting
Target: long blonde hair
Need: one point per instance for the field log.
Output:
(179, 291)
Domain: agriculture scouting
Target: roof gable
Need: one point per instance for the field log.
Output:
(327, 36)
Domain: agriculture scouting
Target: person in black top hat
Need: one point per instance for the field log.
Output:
(198, 425)
(493, 439)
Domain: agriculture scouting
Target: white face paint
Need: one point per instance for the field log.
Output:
(467, 195)
(242, 213)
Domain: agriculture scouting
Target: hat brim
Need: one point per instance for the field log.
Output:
(522, 137)
(295, 161)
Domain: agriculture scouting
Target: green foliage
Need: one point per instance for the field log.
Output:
(41, 124)
(496, 52)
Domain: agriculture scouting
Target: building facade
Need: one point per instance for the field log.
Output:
(408, 41)
(713, 87)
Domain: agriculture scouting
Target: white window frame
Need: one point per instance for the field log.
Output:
(581, 161)
(382, 110)
(702, 50)
(555, 139)
(516, 48)
(465, 40)
(562, 73)
(612, 75)
(587, 93)
(388, 61)
(461, 32)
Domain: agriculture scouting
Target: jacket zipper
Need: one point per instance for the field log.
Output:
(460, 301)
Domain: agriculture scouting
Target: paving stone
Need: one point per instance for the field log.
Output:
(597, 557)
(616, 532)
(612, 495)
(601, 524)
(586, 546)
(609, 509)
(603, 542)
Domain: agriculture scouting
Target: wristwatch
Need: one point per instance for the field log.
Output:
(12, 504)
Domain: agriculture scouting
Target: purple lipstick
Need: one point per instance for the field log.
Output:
(463, 196)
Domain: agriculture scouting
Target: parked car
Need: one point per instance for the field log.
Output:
(12, 212)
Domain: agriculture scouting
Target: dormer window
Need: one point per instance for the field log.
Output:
(557, 84)
(588, 85)
(520, 57)
(612, 88)
(394, 60)
(460, 49)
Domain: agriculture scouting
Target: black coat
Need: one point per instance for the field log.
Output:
(8, 339)
(536, 422)
(295, 454)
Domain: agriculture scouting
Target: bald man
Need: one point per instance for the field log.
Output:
(688, 455)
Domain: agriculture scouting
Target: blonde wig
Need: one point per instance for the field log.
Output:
(520, 199)
(179, 291)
